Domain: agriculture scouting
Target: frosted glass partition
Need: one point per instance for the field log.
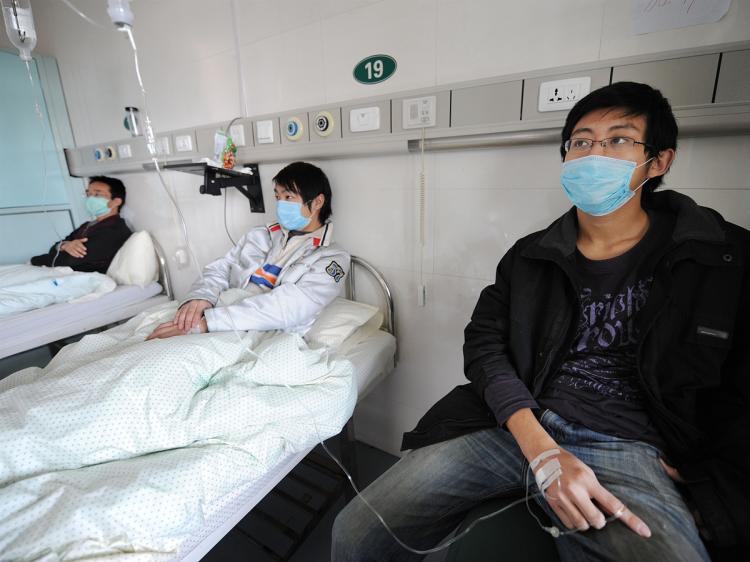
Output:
(32, 232)
(21, 134)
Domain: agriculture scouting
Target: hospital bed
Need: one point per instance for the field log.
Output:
(373, 359)
(57, 493)
(21, 332)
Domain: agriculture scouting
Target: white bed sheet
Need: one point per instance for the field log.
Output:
(31, 329)
(373, 359)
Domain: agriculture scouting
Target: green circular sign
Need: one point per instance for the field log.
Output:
(374, 69)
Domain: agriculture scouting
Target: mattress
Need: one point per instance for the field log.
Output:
(31, 329)
(373, 359)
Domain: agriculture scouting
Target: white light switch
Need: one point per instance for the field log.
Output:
(124, 151)
(419, 112)
(264, 131)
(364, 119)
(183, 143)
(237, 132)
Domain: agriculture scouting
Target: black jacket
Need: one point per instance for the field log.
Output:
(105, 237)
(693, 358)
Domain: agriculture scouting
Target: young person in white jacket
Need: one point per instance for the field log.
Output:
(290, 269)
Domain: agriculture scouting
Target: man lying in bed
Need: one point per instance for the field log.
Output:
(93, 245)
(289, 270)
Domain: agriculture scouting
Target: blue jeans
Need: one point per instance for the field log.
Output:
(425, 495)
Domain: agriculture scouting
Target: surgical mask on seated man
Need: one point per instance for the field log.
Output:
(97, 206)
(290, 215)
(599, 185)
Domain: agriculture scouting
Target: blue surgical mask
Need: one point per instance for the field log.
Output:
(290, 215)
(599, 185)
(97, 206)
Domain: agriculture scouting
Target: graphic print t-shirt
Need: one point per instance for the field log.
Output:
(598, 384)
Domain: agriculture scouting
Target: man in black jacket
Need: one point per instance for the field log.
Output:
(93, 245)
(609, 359)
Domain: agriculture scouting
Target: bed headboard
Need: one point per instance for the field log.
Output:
(164, 279)
(357, 263)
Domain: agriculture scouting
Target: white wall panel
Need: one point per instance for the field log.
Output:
(711, 162)
(283, 72)
(733, 204)
(403, 30)
(485, 38)
(481, 225)
(200, 91)
(534, 166)
(618, 40)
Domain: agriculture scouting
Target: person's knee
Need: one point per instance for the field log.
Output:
(350, 529)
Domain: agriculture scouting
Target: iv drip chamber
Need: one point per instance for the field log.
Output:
(19, 24)
(120, 13)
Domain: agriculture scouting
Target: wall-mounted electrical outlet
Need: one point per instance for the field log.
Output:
(557, 95)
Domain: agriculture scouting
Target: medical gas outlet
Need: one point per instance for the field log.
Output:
(106, 153)
(294, 129)
(324, 123)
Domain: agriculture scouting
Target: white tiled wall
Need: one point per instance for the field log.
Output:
(297, 53)
(486, 38)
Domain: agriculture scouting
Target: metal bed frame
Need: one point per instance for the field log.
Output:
(389, 320)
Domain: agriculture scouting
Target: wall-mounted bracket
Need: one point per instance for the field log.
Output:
(215, 179)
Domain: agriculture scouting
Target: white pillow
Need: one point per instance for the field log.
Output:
(136, 262)
(339, 320)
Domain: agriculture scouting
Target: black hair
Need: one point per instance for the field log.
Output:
(308, 181)
(116, 187)
(634, 99)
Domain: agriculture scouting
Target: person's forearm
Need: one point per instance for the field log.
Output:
(531, 437)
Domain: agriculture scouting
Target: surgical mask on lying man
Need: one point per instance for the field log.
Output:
(599, 185)
(290, 215)
(97, 206)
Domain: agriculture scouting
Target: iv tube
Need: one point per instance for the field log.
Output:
(19, 24)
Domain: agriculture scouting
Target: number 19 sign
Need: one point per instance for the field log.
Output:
(374, 69)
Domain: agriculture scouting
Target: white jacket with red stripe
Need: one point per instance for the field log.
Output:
(293, 279)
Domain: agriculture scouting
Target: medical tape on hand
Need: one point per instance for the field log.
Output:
(546, 475)
(545, 455)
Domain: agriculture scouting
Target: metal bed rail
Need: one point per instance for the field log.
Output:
(164, 278)
(389, 319)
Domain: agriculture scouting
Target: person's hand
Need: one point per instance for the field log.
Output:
(190, 313)
(76, 248)
(166, 330)
(672, 472)
(570, 497)
(675, 475)
(170, 329)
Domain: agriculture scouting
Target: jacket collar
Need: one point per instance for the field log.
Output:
(692, 222)
(320, 237)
